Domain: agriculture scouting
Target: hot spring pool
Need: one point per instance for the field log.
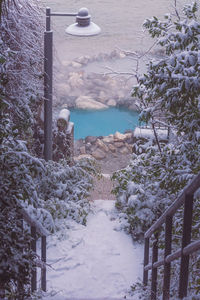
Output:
(102, 122)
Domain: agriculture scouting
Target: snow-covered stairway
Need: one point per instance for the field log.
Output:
(96, 261)
(103, 188)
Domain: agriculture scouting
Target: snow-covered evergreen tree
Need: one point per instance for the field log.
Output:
(170, 88)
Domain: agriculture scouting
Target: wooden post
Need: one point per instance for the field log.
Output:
(43, 257)
(154, 270)
(186, 239)
(33, 248)
(146, 260)
(167, 266)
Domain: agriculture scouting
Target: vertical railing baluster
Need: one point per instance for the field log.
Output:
(186, 239)
(34, 249)
(2, 292)
(154, 270)
(167, 266)
(20, 286)
(146, 260)
(43, 257)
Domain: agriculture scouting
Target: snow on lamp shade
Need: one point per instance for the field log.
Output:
(83, 25)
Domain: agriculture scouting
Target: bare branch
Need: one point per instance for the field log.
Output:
(156, 137)
(114, 72)
(176, 10)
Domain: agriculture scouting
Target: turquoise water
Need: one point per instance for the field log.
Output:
(102, 122)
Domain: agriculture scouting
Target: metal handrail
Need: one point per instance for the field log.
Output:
(39, 228)
(185, 199)
(36, 227)
(189, 189)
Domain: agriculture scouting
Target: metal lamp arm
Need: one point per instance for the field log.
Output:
(64, 14)
(49, 14)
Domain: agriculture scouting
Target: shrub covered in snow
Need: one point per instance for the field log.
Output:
(63, 193)
(17, 166)
(16, 259)
(49, 191)
(159, 172)
(139, 192)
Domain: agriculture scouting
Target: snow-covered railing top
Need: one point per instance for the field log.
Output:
(36, 227)
(39, 228)
(188, 190)
(63, 118)
(63, 137)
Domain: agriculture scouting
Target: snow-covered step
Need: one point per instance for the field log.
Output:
(103, 188)
(97, 261)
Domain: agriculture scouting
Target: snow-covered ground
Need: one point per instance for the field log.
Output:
(95, 261)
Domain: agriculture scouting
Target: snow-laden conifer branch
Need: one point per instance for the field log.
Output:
(22, 29)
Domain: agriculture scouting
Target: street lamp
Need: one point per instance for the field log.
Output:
(82, 27)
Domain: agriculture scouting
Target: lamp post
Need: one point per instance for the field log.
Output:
(82, 27)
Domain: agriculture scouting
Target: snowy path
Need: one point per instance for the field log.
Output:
(96, 261)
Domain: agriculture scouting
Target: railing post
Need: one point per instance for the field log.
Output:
(146, 260)
(186, 239)
(43, 257)
(20, 286)
(167, 266)
(154, 270)
(2, 293)
(34, 271)
(48, 94)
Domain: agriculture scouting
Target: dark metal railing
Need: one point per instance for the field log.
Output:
(185, 199)
(37, 228)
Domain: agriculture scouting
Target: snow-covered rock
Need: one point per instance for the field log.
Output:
(119, 136)
(98, 154)
(108, 139)
(112, 102)
(102, 146)
(86, 102)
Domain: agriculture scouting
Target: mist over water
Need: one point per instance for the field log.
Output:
(121, 24)
(120, 20)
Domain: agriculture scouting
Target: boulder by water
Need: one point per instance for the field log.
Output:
(100, 147)
(86, 102)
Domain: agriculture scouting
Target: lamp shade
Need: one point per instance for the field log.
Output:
(83, 25)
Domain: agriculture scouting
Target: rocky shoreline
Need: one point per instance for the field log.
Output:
(112, 152)
(78, 87)
(98, 147)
